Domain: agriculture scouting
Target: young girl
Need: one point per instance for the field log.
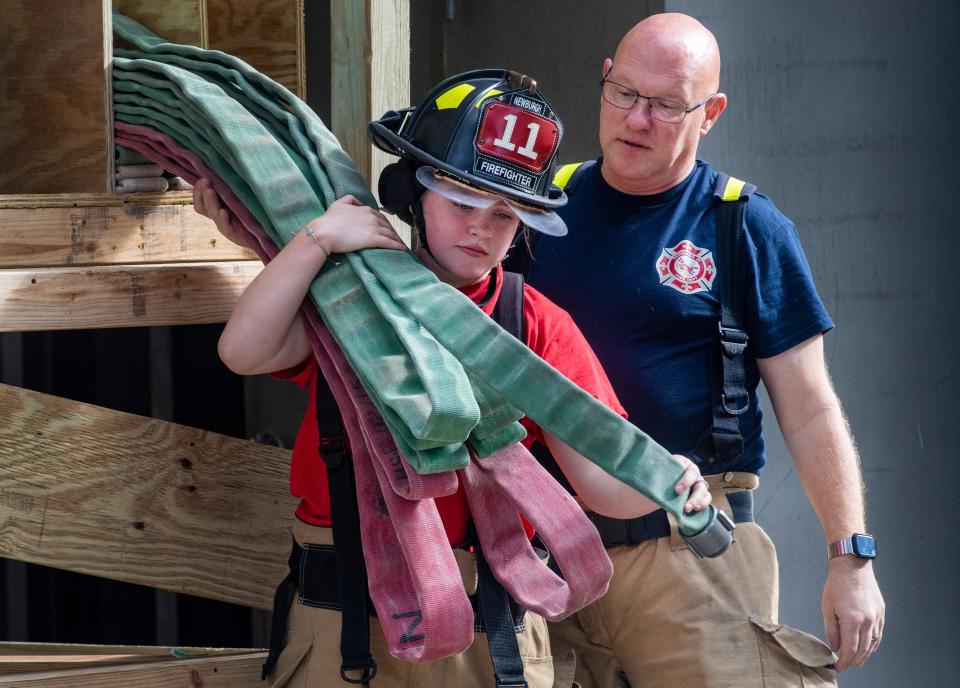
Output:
(477, 159)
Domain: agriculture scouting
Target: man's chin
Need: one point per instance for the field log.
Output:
(628, 168)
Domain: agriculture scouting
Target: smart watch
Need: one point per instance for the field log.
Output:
(859, 545)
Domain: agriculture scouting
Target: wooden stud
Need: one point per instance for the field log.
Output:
(130, 498)
(390, 68)
(370, 53)
(121, 296)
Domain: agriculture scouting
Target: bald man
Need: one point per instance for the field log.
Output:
(642, 223)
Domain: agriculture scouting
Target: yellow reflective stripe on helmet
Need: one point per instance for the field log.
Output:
(564, 173)
(492, 92)
(733, 189)
(453, 97)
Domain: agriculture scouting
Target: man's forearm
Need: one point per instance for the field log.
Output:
(817, 435)
(829, 469)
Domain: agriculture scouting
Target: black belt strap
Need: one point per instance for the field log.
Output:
(498, 623)
(614, 531)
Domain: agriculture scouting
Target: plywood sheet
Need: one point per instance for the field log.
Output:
(55, 132)
(266, 33)
(179, 21)
(130, 498)
(239, 671)
(36, 657)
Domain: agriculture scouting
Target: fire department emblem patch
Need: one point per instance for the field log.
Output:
(686, 268)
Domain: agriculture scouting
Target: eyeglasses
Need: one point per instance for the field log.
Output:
(663, 110)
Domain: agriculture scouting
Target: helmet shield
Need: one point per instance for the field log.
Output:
(539, 219)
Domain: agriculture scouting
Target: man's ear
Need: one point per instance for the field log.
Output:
(607, 66)
(713, 110)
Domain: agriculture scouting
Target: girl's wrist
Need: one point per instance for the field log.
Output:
(318, 240)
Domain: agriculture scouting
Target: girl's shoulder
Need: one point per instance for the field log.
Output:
(546, 323)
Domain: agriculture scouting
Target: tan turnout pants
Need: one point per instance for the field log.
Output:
(311, 653)
(672, 620)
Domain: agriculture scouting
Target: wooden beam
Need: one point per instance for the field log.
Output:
(55, 93)
(121, 296)
(266, 33)
(233, 671)
(117, 234)
(73, 200)
(121, 496)
(370, 53)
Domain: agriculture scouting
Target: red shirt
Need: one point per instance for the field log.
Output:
(550, 333)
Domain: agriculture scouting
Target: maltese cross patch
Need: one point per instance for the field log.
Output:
(686, 268)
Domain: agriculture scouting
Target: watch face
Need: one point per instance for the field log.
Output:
(864, 546)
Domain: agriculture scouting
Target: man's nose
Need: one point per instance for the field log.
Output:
(639, 115)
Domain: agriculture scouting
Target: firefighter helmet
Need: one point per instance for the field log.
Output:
(490, 129)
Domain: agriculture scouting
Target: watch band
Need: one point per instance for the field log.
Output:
(840, 547)
(859, 545)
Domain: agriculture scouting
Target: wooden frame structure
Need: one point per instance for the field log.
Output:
(73, 254)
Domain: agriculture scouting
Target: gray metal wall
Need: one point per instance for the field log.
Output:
(843, 113)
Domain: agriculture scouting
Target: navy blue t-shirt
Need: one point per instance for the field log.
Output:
(637, 275)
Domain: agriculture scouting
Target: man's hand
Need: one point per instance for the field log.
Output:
(853, 610)
(819, 440)
(699, 498)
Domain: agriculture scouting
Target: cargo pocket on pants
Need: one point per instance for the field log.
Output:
(291, 668)
(793, 658)
(564, 669)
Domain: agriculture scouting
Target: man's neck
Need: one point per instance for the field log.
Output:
(647, 186)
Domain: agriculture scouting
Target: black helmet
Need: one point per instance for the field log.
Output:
(488, 128)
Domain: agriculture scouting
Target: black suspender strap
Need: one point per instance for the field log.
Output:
(568, 176)
(728, 385)
(497, 618)
(495, 612)
(282, 599)
(351, 570)
(508, 311)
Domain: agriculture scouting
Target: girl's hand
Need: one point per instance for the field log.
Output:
(207, 203)
(349, 225)
(691, 479)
